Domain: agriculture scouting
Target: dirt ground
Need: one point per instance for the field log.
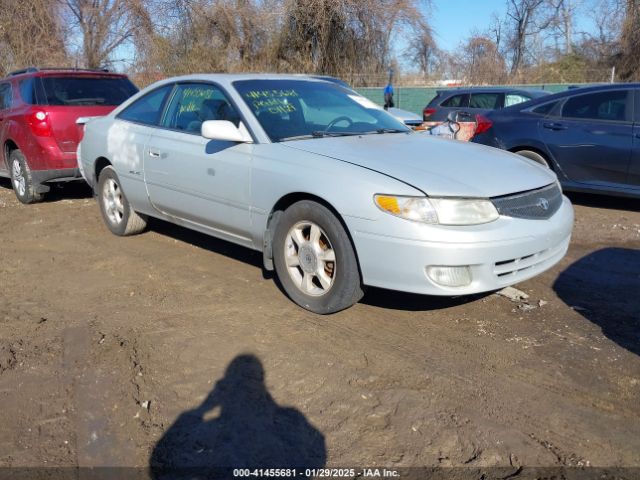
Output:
(172, 348)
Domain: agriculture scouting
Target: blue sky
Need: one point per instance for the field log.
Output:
(453, 21)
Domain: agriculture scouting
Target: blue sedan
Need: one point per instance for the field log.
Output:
(590, 137)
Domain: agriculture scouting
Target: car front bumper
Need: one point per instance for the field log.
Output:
(497, 255)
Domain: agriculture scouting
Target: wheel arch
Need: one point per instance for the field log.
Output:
(280, 206)
(537, 150)
(8, 147)
(100, 164)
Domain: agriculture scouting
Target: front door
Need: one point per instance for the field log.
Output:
(201, 181)
(591, 138)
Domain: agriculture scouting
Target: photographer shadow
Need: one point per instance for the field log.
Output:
(238, 425)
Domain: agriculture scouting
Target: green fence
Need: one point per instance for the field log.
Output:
(415, 99)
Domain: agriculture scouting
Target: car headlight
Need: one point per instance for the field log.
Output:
(443, 211)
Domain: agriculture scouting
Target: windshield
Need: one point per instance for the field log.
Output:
(86, 90)
(299, 109)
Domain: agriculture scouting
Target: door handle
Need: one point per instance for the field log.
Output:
(154, 153)
(554, 126)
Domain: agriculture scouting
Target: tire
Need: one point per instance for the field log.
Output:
(116, 211)
(22, 180)
(535, 156)
(315, 260)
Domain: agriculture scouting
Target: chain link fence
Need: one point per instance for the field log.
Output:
(414, 99)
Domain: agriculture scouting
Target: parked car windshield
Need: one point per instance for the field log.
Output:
(298, 109)
(86, 90)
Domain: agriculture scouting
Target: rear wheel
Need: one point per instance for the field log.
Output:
(117, 213)
(22, 180)
(314, 259)
(535, 156)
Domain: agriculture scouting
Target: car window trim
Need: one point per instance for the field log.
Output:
(628, 112)
(169, 97)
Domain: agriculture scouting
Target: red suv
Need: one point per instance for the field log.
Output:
(38, 130)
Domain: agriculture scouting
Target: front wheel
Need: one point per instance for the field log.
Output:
(315, 260)
(117, 213)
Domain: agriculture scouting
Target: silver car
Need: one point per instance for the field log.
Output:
(335, 192)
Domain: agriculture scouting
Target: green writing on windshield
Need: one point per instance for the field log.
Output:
(274, 101)
(275, 93)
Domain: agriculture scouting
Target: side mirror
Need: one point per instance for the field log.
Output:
(224, 130)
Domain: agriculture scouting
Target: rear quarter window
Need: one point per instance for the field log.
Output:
(5, 96)
(27, 93)
(544, 109)
(514, 99)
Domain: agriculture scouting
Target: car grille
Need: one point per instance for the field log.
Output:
(538, 204)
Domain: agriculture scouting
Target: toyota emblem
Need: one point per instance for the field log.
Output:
(543, 203)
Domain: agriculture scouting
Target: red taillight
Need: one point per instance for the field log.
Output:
(39, 123)
(484, 124)
(427, 112)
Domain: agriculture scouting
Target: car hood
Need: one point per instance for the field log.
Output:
(438, 167)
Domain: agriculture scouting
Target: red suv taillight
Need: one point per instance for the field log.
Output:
(39, 123)
(427, 112)
(484, 124)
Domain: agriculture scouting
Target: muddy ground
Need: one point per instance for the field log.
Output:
(173, 348)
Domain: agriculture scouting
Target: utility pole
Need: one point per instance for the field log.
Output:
(613, 74)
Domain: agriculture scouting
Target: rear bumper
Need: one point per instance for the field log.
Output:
(58, 175)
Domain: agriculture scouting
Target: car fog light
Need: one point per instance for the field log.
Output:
(450, 276)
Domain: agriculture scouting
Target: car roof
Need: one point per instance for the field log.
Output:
(464, 90)
(227, 79)
(44, 72)
(232, 77)
(570, 92)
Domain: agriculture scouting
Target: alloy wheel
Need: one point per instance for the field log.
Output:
(310, 258)
(19, 182)
(113, 201)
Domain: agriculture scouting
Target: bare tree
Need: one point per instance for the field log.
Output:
(422, 49)
(629, 61)
(481, 62)
(526, 19)
(601, 43)
(104, 25)
(348, 38)
(31, 34)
